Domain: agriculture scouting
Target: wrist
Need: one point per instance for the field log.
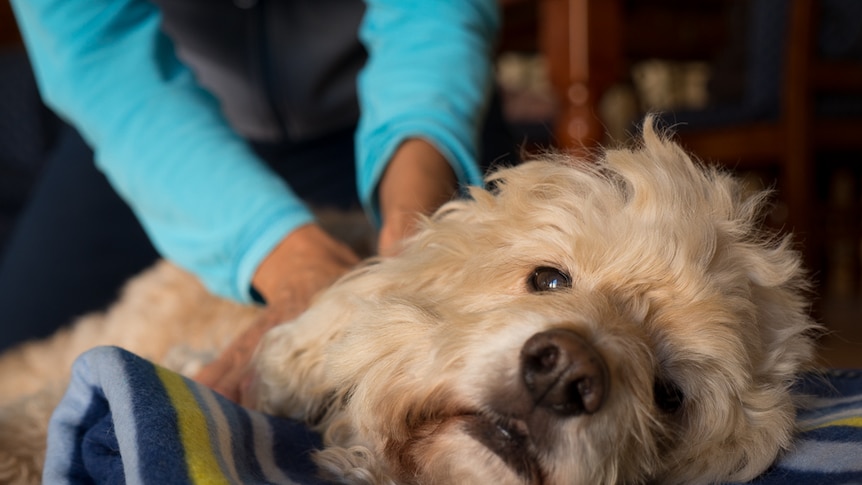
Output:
(417, 179)
(302, 264)
(264, 280)
(416, 182)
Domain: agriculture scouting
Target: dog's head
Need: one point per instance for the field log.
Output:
(618, 321)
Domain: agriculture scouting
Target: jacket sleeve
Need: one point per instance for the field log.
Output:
(428, 76)
(204, 198)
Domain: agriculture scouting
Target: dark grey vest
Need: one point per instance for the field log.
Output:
(283, 69)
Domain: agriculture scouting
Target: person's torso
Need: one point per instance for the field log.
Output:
(284, 70)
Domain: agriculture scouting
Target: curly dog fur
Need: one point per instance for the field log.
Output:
(624, 320)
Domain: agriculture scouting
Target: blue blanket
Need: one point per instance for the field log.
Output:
(126, 420)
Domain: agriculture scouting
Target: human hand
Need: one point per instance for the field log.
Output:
(305, 262)
(417, 181)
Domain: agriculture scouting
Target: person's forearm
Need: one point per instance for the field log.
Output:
(207, 202)
(429, 76)
(416, 182)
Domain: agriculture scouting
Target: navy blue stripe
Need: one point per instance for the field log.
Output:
(244, 448)
(293, 444)
(81, 468)
(787, 477)
(160, 452)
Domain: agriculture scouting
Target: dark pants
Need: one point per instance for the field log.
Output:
(72, 247)
(76, 242)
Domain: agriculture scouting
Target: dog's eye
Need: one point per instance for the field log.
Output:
(668, 396)
(548, 279)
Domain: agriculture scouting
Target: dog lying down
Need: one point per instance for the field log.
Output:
(618, 321)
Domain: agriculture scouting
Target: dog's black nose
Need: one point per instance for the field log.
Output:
(564, 373)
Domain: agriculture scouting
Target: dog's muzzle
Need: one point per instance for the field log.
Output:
(563, 376)
(564, 373)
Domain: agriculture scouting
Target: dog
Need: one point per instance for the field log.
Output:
(622, 320)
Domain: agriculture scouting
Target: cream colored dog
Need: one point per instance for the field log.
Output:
(623, 321)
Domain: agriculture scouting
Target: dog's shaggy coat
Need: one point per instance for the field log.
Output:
(617, 321)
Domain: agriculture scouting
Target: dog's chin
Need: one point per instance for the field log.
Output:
(469, 447)
(507, 438)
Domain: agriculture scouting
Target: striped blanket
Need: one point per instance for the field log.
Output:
(126, 420)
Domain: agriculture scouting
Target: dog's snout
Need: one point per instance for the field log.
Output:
(564, 373)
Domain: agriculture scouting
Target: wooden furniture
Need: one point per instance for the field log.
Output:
(589, 45)
(791, 142)
(581, 40)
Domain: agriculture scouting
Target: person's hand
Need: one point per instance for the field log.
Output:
(417, 181)
(305, 262)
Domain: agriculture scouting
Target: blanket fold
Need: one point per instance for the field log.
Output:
(124, 419)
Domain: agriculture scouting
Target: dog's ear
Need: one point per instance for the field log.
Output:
(781, 290)
(330, 400)
(290, 362)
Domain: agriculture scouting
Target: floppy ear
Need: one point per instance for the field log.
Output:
(783, 337)
(787, 330)
(291, 378)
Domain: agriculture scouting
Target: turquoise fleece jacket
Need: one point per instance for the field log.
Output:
(206, 201)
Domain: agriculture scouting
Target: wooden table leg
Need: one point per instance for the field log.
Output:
(582, 43)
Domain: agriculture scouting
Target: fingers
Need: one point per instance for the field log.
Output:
(397, 227)
(211, 373)
(229, 383)
(220, 375)
(305, 262)
(303, 275)
(229, 372)
(248, 390)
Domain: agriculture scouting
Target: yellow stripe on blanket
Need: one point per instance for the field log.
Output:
(202, 463)
(854, 421)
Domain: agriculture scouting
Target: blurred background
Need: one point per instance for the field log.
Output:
(769, 88)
